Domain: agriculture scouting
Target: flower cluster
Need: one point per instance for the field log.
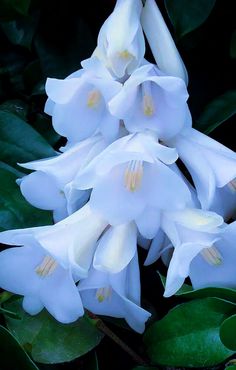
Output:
(116, 183)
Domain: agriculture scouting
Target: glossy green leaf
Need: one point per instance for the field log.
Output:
(21, 31)
(15, 212)
(189, 334)
(16, 106)
(233, 45)
(188, 15)
(13, 356)
(217, 112)
(49, 341)
(227, 332)
(20, 142)
(230, 367)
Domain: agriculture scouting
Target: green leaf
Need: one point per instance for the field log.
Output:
(43, 125)
(20, 142)
(187, 15)
(11, 9)
(217, 112)
(144, 368)
(12, 355)
(15, 212)
(189, 334)
(21, 31)
(233, 45)
(16, 106)
(49, 341)
(227, 332)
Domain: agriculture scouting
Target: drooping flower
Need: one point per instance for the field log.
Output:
(116, 295)
(78, 106)
(131, 180)
(121, 45)
(191, 231)
(151, 100)
(33, 273)
(211, 164)
(161, 42)
(50, 186)
(222, 274)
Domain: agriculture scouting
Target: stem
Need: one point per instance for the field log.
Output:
(104, 329)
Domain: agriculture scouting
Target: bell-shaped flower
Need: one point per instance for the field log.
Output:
(151, 100)
(116, 295)
(161, 42)
(78, 106)
(121, 44)
(50, 186)
(71, 242)
(131, 180)
(32, 272)
(222, 274)
(211, 164)
(191, 231)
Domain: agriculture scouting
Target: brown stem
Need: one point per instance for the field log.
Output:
(107, 331)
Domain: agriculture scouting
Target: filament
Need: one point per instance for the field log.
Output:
(47, 267)
(133, 175)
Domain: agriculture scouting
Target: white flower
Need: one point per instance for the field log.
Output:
(116, 248)
(116, 295)
(223, 274)
(131, 181)
(50, 186)
(210, 163)
(160, 40)
(78, 106)
(191, 231)
(151, 100)
(31, 272)
(121, 45)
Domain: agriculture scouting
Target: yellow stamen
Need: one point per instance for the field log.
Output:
(94, 98)
(148, 106)
(125, 54)
(212, 256)
(103, 293)
(47, 267)
(133, 175)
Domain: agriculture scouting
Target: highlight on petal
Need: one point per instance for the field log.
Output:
(161, 42)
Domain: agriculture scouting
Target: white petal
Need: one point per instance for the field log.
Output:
(41, 190)
(196, 219)
(203, 274)
(32, 304)
(116, 248)
(60, 296)
(61, 91)
(155, 249)
(161, 42)
(149, 222)
(17, 270)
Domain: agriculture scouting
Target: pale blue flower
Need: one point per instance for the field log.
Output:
(50, 187)
(32, 272)
(78, 106)
(121, 45)
(116, 295)
(211, 164)
(131, 180)
(151, 100)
